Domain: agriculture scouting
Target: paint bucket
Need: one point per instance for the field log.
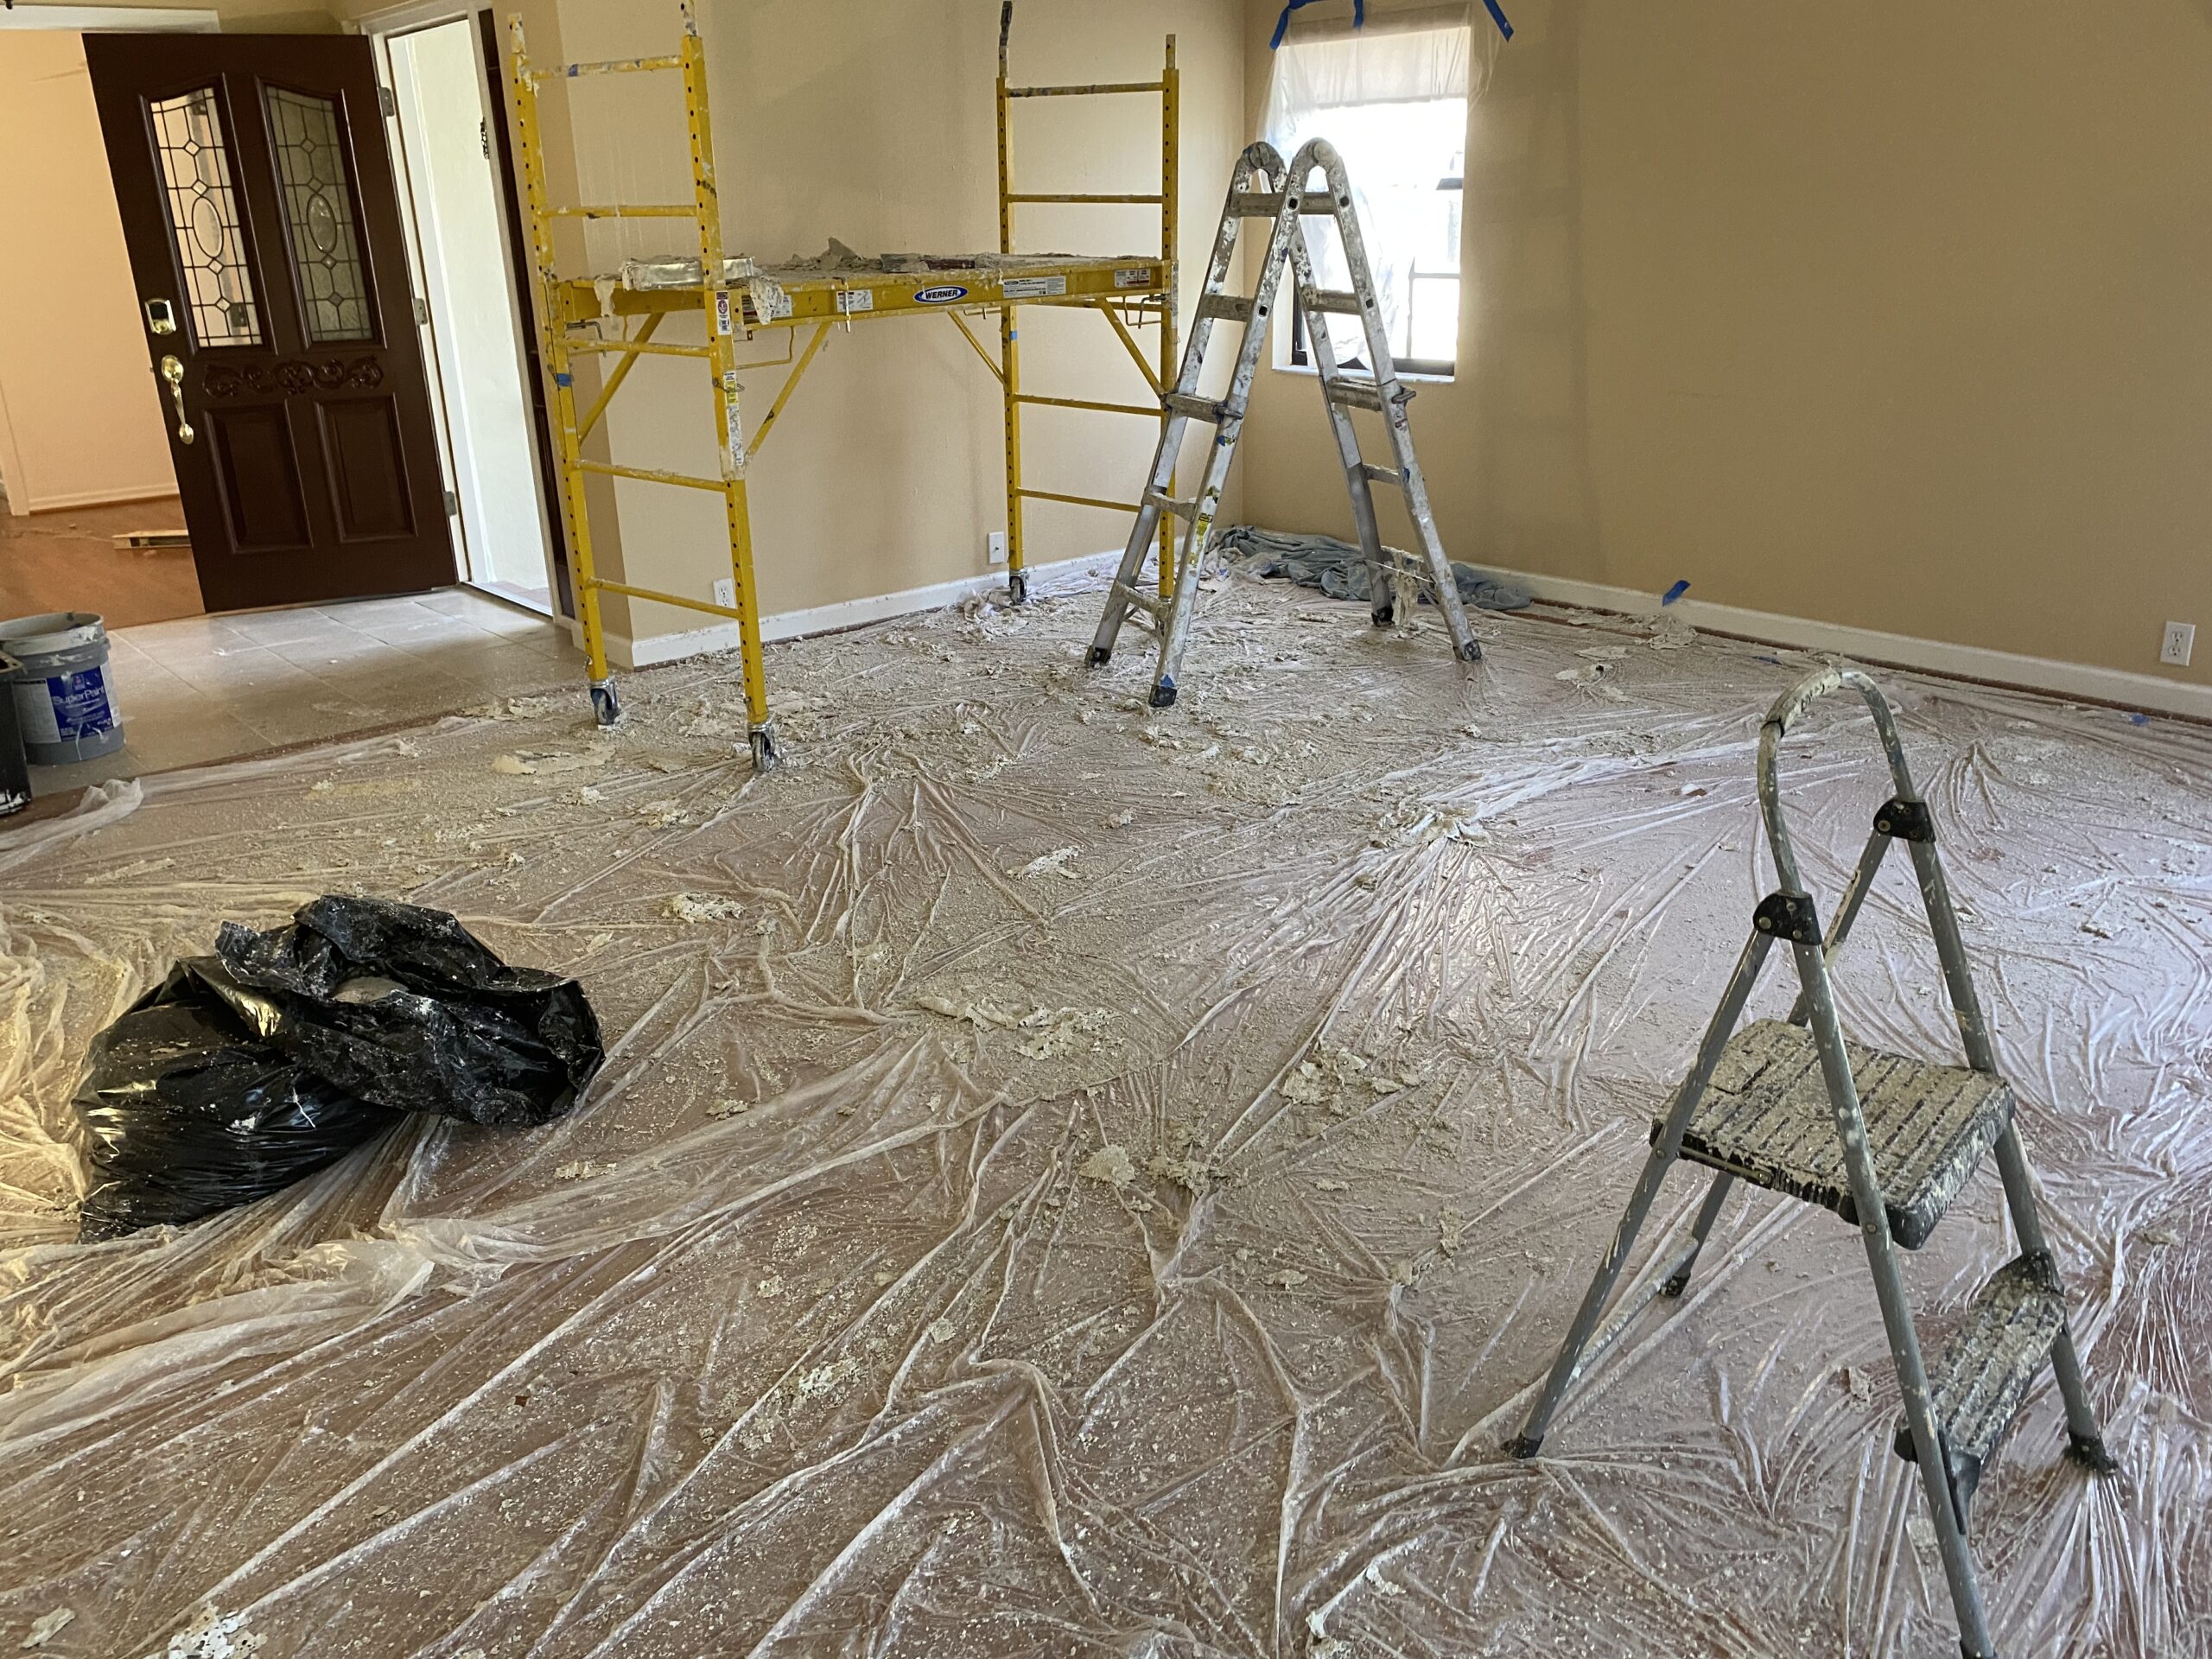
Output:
(15, 769)
(64, 701)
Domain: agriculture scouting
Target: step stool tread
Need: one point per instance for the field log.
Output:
(1766, 1119)
(1979, 1382)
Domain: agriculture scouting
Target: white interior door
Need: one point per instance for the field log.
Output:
(443, 114)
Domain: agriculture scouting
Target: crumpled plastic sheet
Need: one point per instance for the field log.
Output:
(1340, 569)
(1071, 1179)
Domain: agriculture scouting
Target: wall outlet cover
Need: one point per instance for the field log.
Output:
(995, 543)
(726, 591)
(2176, 642)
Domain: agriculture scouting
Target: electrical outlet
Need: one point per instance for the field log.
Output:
(726, 592)
(2176, 642)
(995, 543)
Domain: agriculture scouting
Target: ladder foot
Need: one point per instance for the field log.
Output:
(764, 748)
(1472, 652)
(2089, 1451)
(1524, 1447)
(1385, 615)
(1163, 694)
(1017, 586)
(1676, 1283)
(606, 707)
(1101, 655)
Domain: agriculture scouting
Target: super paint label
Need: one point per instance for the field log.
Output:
(944, 293)
(1140, 276)
(64, 706)
(1034, 287)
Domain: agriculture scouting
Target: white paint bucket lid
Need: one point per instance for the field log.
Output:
(47, 635)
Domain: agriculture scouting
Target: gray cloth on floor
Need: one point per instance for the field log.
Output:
(1341, 570)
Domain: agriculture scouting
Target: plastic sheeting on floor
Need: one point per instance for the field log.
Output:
(1071, 1180)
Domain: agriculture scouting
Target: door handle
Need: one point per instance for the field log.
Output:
(173, 371)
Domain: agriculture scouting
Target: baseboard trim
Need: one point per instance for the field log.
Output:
(629, 653)
(101, 497)
(2011, 670)
(2014, 670)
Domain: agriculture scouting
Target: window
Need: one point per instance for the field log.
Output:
(304, 130)
(204, 218)
(1395, 104)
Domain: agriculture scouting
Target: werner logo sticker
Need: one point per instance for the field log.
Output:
(944, 295)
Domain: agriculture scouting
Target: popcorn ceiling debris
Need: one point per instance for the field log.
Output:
(1417, 1073)
(46, 1626)
(696, 907)
(1055, 862)
(214, 1635)
(1110, 1164)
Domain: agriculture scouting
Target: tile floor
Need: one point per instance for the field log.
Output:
(214, 688)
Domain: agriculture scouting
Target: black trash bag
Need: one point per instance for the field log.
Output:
(405, 1008)
(189, 1109)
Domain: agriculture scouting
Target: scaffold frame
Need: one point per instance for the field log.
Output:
(737, 299)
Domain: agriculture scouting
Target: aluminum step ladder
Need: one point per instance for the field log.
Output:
(1263, 187)
(1882, 1140)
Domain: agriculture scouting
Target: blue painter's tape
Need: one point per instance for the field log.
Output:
(1675, 591)
(1497, 16)
(564, 380)
(2139, 720)
(1359, 19)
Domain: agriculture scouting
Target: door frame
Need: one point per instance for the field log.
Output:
(98, 19)
(381, 26)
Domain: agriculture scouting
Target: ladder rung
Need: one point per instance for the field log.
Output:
(1099, 91)
(1078, 500)
(1332, 300)
(651, 475)
(1144, 409)
(1169, 503)
(1382, 474)
(1151, 603)
(654, 209)
(1202, 409)
(1359, 394)
(1266, 204)
(606, 66)
(1154, 199)
(1227, 307)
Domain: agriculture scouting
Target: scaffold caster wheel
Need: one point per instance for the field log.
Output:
(606, 707)
(1101, 655)
(1163, 693)
(764, 748)
(1017, 586)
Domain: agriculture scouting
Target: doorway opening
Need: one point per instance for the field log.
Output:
(89, 515)
(448, 131)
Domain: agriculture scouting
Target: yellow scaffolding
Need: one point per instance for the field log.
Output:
(736, 298)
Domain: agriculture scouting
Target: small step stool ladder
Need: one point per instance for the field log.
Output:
(1882, 1141)
(1263, 187)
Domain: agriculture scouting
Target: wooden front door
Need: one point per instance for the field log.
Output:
(264, 230)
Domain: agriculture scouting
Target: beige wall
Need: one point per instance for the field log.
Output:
(1888, 316)
(79, 420)
(873, 123)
